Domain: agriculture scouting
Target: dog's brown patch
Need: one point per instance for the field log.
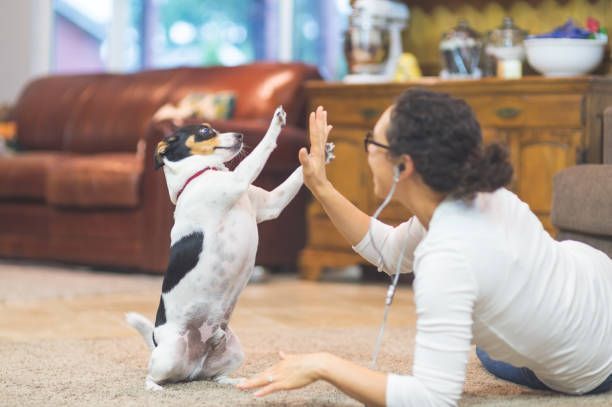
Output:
(202, 147)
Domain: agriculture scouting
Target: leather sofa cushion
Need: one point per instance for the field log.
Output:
(259, 88)
(582, 199)
(24, 176)
(45, 107)
(114, 111)
(100, 180)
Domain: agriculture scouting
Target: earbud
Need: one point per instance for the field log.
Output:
(397, 171)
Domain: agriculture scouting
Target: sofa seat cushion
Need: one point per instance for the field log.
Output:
(24, 175)
(99, 180)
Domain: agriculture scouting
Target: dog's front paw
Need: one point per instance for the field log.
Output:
(232, 381)
(280, 117)
(329, 152)
(152, 386)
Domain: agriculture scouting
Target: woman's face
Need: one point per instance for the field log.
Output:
(378, 157)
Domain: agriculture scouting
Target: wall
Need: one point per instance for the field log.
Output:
(25, 29)
(430, 18)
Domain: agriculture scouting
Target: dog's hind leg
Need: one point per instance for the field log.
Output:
(225, 361)
(167, 363)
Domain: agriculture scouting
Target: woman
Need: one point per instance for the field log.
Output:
(485, 269)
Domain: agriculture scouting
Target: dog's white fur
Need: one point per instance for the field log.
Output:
(195, 342)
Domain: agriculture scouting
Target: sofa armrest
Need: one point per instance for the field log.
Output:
(582, 199)
(158, 210)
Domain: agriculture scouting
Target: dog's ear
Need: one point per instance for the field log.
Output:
(160, 151)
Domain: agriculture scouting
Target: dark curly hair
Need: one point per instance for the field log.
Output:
(442, 136)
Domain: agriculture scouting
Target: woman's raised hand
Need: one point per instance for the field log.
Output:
(313, 162)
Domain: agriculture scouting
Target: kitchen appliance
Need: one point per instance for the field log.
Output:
(373, 40)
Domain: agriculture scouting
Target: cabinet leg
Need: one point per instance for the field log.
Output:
(311, 273)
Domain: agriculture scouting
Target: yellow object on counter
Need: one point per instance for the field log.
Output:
(407, 68)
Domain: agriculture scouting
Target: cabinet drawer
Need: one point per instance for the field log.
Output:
(528, 111)
(358, 111)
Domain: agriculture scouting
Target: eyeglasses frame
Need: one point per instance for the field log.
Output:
(369, 139)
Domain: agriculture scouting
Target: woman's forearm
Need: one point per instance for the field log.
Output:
(365, 385)
(350, 221)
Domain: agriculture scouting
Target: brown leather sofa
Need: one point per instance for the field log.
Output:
(84, 189)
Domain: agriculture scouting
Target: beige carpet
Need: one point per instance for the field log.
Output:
(63, 341)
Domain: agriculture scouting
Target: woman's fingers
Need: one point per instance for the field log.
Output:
(313, 132)
(271, 388)
(318, 131)
(255, 381)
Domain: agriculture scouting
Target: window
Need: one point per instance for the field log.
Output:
(143, 34)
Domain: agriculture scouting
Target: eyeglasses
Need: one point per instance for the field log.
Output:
(369, 139)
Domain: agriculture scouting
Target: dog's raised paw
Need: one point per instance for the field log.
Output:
(329, 152)
(280, 116)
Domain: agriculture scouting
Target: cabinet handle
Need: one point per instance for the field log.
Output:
(508, 112)
(369, 113)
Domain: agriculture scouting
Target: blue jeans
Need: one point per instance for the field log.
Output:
(524, 376)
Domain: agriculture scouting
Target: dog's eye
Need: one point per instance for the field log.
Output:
(205, 131)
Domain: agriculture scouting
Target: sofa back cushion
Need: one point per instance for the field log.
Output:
(259, 88)
(114, 112)
(99, 113)
(44, 108)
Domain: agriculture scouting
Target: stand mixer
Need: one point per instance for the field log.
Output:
(373, 40)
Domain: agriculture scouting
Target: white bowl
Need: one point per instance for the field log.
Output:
(564, 56)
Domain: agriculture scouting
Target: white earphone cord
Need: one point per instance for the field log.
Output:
(393, 285)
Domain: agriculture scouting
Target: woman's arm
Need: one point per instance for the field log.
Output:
(295, 371)
(445, 293)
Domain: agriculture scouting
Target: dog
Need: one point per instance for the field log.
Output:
(213, 245)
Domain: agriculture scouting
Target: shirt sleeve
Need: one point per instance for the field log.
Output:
(445, 292)
(383, 245)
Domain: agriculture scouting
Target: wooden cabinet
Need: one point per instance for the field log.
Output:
(548, 124)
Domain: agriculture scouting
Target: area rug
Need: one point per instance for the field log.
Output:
(63, 341)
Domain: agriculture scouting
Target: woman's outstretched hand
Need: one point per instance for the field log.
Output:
(292, 372)
(313, 162)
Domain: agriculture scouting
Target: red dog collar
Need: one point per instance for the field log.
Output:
(194, 176)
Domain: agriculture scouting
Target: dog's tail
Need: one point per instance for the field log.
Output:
(142, 325)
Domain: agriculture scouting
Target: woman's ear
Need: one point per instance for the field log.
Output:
(405, 167)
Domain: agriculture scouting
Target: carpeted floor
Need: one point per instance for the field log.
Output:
(63, 341)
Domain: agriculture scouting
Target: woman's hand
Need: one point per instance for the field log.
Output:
(313, 162)
(292, 372)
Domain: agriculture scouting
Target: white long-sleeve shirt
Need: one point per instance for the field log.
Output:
(486, 271)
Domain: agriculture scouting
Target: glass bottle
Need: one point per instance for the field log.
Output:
(504, 50)
(460, 50)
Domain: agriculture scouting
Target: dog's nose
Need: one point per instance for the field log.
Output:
(239, 136)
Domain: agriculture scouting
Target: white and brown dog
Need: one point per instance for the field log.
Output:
(214, 242)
